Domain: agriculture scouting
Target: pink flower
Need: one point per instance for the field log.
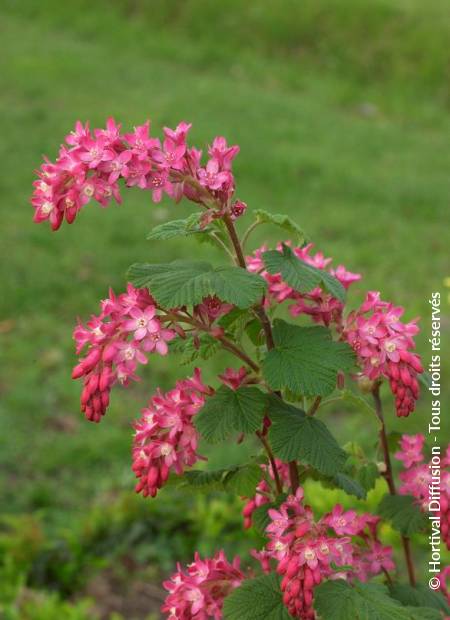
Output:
(143, 322)
(382, 343)
(211, 176)
(411, 447)
(166, 439)
(157, 341)
(342, 522)
(95, 151)
(111, 355)
(234, 378)
(198, 592)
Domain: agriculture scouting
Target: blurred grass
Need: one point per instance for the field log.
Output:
(341, 112)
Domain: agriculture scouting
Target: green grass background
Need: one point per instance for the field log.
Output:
(341, 111)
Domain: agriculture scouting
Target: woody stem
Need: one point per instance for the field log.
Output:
(390, 477)
(265, 322)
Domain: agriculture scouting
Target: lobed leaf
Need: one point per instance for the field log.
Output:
(338, 600)
(230, 410)
(256, 599)
(184, 283)
(243, 480)
(295, 436)
(299, 275)
(305, 359)
(178, 228)
(282, 221)
(403, 513)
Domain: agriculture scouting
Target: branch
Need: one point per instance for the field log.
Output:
(390, 477)
(226, 344)
(267, 327)
(273, 464)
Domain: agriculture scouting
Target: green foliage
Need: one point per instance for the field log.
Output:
(305, 360)
(282, 221)
(204, 480)
(367, 476)
(294, 435)
(178, 228)
(360, 403)
(182, 283)
(256, 599)
(203, 346)
(230, 410)
(350, 485)
(243, 480)
(240, 480)
(338, 600)
(419, 596)
(403, 513)
(299, 275)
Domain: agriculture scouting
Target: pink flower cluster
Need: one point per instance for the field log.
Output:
(383, 345)
(117, 340)
(198, 592)
(264, 490)
(165, 438)
(421, 478)
(341, 545)
(318, 304)
(91, 163)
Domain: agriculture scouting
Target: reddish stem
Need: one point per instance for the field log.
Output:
(267, 327)
(390, 478)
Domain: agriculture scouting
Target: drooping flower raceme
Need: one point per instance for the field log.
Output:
(306, 552)
(165, 438)
(91, 164)
(198, 592)
(383, 344)
(117, 340)
(426, 481)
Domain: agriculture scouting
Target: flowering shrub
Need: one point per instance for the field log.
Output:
(330, 566)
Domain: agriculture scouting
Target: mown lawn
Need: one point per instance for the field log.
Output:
(352, 145)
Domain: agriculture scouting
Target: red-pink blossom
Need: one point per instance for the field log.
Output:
(116, 342)
(419, 476)
(306, 552)
(384, 346)
(198, 592)
(165, 438)
(92, 163)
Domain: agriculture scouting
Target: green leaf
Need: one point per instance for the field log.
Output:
(231, 410)
(305, 359)
(256, 599)
(203, 347)
(350, 486)
(182, 283)
(205, 480)
(243, 480)
(359, 402)
(295, 436)
(282, 221)
(178, 228)
(299, 275)
(338, 600)
(419, 596)
(367, 475)
(235, 322)
(425, 379)
(403, 513)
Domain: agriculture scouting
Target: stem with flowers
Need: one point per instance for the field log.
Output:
(313, 562)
